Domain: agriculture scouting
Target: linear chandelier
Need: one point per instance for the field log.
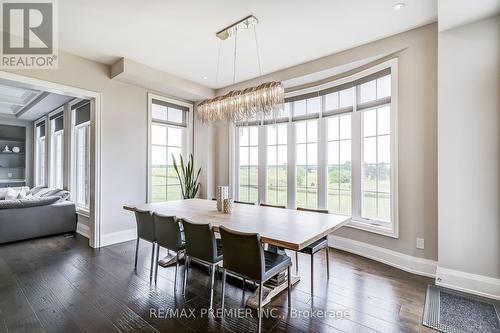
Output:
(242, 105)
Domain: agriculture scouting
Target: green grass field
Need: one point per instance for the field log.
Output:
(165, 186)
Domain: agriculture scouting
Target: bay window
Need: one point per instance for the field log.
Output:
(329, 147)
(168, 140)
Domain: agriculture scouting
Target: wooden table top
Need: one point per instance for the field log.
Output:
(286, 228)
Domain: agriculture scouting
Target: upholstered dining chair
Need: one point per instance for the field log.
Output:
(314, 248)
(145, 231)
(204, 247)
(168, 235)
(244, 202)
(244, 256)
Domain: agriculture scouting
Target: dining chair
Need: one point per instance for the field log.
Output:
(244, 256)
(317, 246)
(273, 206)
(145, 231)
(204, 247)
(244, 202)
(168, 235)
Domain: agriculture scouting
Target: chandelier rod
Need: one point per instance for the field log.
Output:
(257, 48)
(234, 58)
(218, 64)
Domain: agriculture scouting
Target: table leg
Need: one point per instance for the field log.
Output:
(170, 259)
(269, 292)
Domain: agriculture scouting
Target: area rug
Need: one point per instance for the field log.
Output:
(455, 312)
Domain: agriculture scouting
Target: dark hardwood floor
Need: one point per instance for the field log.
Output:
(60, 284)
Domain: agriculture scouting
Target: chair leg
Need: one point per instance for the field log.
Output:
(223, 290)
(157, 259)
(152, 263)
(289, 287)
(312, 274)
(296, 262)
(261, 287)
(327, 263)
(212, 277)
(244, 283)
(176, 270)
(136, 253)
(186, 269)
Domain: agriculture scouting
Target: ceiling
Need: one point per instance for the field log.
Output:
(26, 103)
(178, 36)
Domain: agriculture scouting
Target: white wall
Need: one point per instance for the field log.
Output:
(469, 153)
(417, 54)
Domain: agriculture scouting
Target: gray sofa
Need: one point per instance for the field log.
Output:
(47, 212)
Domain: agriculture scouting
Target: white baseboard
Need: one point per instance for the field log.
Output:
(118, 237)
(83, 230)
(399, 260)
(470, 283)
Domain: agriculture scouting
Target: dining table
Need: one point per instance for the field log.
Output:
(280, 228)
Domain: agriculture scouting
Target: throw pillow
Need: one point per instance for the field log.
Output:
(22, 194)
(11, 194)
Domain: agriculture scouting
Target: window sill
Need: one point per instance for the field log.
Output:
(377, 229)
(83, 212)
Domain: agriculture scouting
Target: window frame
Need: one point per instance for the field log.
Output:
(379, 227)
(36, 140)
(187, 140)
(50, 181)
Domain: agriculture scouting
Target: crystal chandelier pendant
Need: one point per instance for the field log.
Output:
(242, 105)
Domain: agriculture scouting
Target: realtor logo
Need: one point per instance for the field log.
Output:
(28, 35)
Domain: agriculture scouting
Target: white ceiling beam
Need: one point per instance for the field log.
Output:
(42, 95)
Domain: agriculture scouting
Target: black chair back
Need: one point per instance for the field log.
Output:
(243, 253)
(145, 225)
(324, 211)
(200, 241)
(273, 206)
(168, 232)
(244, 202)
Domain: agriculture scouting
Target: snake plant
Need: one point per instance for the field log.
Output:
(189, 183)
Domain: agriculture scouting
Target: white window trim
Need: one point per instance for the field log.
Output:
(356, 221)
(187, 144)
(84, 211)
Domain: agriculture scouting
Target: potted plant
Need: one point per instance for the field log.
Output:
(189, 182)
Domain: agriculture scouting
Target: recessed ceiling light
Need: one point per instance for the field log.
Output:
(397, 6)
(205, 78)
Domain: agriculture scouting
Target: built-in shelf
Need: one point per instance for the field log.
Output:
(12, 181)
(16, 167)
(4, 153)
(11, 139)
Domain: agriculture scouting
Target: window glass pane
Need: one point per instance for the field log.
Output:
(312, 131)
(159, 112)
(158, 193)
(384, 177)
(159, 175)
(367, 92)
(370, 150)
(172, 177)
(333, 177)
(299, 108)
(345, 152)
(158, 135)
(271, 155)
(333, 152)
(244, 156)
(370, 123)
(175, 115)
(243, 136)
(174, 192)
(312, 153)
(384, 149)
(282, 155)
(282, 134)
(301, 158)
(271, 135)
(384, 120)
(174, 152)
(333, 128)
(175, 136)
(384, 206)
(345, 97)
(384, 86)
(370, 177)
(369, 205)
(332, 101)
(254, 136)
(254, 156)
(345, 127)
(345, 202)
(313, 105)
(300, 133)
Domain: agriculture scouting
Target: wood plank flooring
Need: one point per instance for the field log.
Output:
(60, 284)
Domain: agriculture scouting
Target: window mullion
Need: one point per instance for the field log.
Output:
(291, 167)
(322, 178)
(357, 160)
(262, 169)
